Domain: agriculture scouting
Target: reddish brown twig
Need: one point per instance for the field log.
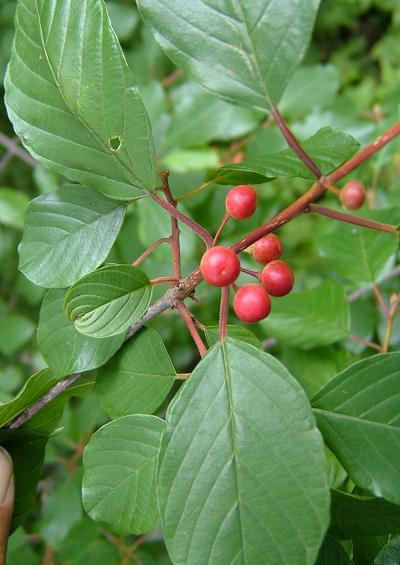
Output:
(175, 232)
(221, 227)
(186, 315)
(149, 250)
(355, 220)
(294, 144)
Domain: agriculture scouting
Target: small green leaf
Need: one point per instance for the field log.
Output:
(63, 347)
(358, 414)
(35, 387)
(242, 462)
(106, 302)
(236, 332)
(390, 554)
(311, 318)
(120, 473)
(69, 92)
(243, 51)
(67, 234)
(12, 207)
(360, 254)
(328, 147)
(15, 331)
(138, 378)
(354, 516)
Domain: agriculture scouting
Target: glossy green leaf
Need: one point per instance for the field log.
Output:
(71, 97)
(390, 554)
(200, 117)
(15, 331)
(354, 516)
(328, 147)
(120, 473)
(360, 254)
(35, 387)
(332, 553)
(310, 318)
(63, 347)
(67, 234)
(137, 379)
(242, 462)
(243, 51)
(12, 207)
(359, 417)
(106, 302)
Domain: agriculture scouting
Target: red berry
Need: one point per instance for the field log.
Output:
(251, 303)
(266, 249)
(241, 202)
(277, 278)
(352, 194)
(220, 266)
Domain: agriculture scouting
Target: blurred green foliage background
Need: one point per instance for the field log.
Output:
(350, 81)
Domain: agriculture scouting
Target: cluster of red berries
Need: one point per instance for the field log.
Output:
(220, 266)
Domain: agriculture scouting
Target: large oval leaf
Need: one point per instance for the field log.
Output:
(243, 472)
(63, 347)
(358, 413)
(67, 234)
(120, 473)
(71, 97)
(311, 318)
(138, 378)
(243, 51)
(357, 253)
(107, 301)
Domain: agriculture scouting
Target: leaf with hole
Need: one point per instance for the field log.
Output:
(120, 473)
(242, 462)
(72, 99)
(63, 347)
(106, 302)
(138, 378)
(67, 234)
(358, 415)
(243, 51)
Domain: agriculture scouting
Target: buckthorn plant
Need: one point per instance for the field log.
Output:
(176, 384)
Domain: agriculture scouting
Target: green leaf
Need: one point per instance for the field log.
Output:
(55, 525)
(27, 451)
(120, 473)
(67, 234)
(12, 207)
(186, 160)
(15, 331)
(138, 378)
(354, 516)
(328, 147)
(71, 98)
(359, 417)
(124, 19)
(106, 302)
(332, 553)
(200, 117)
(310, 89)
(35, 387)
(390, 554)
(360, 254)
(236, 332)
(242, 462)
(311, 318)
(63, 347)
(243, 51)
